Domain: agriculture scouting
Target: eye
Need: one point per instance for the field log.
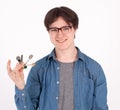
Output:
(53, 30)
(65, 28)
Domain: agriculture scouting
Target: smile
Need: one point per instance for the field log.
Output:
(61, 41)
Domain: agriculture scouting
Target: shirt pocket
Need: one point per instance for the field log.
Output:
(86, 92)
(87, 88)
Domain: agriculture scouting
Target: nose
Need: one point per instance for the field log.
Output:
(60, 31)
(59, 35)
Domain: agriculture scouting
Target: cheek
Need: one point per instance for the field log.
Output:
(72, 37)
(52, 39)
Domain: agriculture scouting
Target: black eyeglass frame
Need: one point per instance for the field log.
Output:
(57, 29)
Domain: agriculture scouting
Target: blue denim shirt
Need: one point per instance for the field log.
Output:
(42, 87)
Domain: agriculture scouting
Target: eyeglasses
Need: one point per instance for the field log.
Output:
(64, 30)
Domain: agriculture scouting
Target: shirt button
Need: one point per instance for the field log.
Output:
(58, 68)
(25, 106)
(56, 98)
(57, 82)
(23, 94)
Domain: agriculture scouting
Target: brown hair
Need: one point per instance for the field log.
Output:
(66, 13)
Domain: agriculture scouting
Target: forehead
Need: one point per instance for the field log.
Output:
(59, 22)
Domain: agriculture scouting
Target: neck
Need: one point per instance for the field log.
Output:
(67, 56)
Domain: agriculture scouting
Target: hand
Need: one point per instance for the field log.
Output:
(16, 74)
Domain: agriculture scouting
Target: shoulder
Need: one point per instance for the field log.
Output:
(41, 63)
(36, 72)
(93, 67)
(89, 61)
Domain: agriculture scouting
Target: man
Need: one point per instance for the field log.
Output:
(66, 79)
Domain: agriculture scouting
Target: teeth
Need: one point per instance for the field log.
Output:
(61, 41)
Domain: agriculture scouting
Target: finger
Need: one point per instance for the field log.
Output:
(19, 67)
(9, 66)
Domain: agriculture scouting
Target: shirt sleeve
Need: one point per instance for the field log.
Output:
(28, 98)
(22, 100)
(100, 94)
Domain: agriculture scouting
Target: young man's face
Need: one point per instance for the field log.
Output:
(61, 34)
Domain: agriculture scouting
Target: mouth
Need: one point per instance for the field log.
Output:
(61, 41)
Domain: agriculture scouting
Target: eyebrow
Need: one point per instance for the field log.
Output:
(59, 28)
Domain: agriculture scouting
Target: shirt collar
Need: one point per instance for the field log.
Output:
(80, 55)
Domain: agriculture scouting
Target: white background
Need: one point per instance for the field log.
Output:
(22, 31)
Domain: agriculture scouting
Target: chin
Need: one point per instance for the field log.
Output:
(62, 47)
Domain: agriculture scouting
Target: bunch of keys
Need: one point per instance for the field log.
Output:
(20, 59)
